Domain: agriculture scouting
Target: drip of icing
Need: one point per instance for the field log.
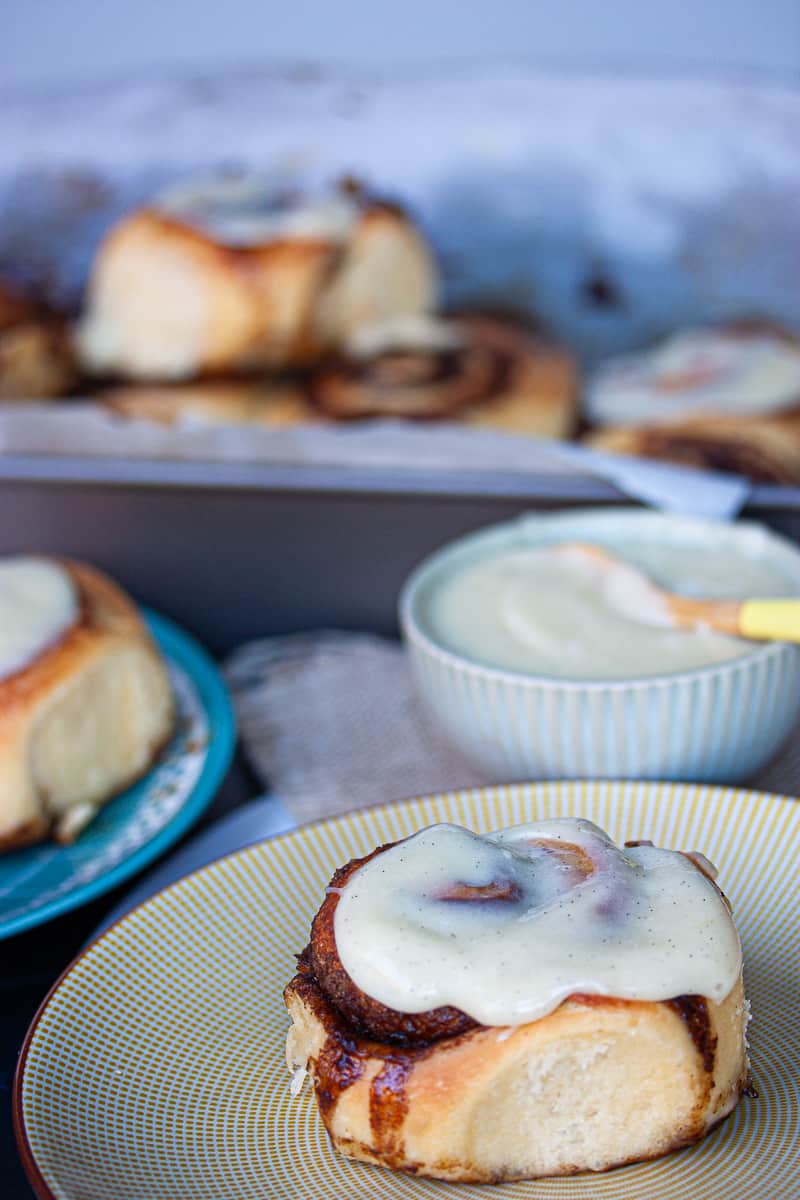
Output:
(38, 604)
(577, 915)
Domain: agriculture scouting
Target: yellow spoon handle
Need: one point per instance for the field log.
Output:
(770, 620)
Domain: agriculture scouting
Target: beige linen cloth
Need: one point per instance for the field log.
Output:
(330, 722)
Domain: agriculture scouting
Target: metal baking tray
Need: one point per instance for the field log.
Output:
(240, 551)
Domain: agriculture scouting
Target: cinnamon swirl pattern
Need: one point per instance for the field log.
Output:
(476, 370)
(466, 1001)
(764, 449)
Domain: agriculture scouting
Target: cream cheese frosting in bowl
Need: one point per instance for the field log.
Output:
(532, 671)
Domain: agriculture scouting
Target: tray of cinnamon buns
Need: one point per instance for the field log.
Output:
(279, 308)
(227, 304)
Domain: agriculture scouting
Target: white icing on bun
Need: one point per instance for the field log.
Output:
(506, 926)
(698, 371)
(38, 604)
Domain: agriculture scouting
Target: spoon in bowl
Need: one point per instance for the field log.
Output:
(632, 592)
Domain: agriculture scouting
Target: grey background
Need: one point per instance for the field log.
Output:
(49, 40)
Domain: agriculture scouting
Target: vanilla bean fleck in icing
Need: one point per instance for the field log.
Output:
(38, 604)
(507, 925)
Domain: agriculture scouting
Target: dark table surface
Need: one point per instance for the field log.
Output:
(33, 961)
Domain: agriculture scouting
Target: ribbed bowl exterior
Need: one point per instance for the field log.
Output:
(717, 724)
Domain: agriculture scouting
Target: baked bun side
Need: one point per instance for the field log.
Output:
(595, 1084)
(84, 720)
(764, 449)
(385, 270)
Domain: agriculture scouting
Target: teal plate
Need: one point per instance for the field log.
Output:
(44, 881)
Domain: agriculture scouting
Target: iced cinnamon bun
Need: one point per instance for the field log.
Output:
(85, 699)
(531, 1002)
(471, 369)
(234, 274)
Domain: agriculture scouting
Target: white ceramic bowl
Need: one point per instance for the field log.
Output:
(719, 723)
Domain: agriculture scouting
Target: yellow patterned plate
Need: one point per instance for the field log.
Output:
(155, 1070)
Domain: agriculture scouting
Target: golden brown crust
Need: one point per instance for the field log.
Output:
(478, 1107)
(261, 297)
(108, 659)
(26, 834)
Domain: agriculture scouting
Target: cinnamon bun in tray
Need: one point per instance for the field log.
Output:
(233, 274)
(527, 1003)
(723, 398)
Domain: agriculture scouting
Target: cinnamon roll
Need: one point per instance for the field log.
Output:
(528, 1003)
(36, 358)
(85, 698)
(232, 275)
(471, 369)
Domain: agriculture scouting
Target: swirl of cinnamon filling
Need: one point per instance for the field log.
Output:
(365, 1014)
(374, 1019)
(426, 371)
(760, 460)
